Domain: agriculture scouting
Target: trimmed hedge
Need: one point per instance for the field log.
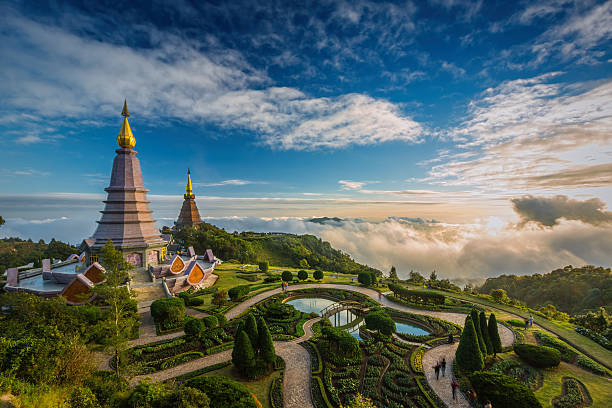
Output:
(417, 296)
(170, 310)
(503, 391)
(276, 393)
(538, 356)
(238, 292)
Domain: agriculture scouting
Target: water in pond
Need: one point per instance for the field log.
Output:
(343, 318)
(409, 329)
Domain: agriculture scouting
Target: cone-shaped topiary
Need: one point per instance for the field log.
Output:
(250, 326)
(243, 355)
(494, 335)
(265, 341)
(468, 354)
(485, 332)
(476, 322)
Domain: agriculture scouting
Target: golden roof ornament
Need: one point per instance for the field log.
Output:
(125, 139)
(189, 188)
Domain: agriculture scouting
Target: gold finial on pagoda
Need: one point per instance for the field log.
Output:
(126, 139)
(189, 188)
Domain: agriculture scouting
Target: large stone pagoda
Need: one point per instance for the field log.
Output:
(126, 218)
(189, 215)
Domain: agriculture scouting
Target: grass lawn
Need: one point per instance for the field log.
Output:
(563, 330)
(599, 387)
(260, 387)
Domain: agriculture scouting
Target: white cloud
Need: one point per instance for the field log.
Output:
(453, 69)
(29, 139)
(231, 182)
(53, 74)
(351, 185)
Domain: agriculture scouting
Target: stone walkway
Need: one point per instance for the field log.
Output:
(296, 386)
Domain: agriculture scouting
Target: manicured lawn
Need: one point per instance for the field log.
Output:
(599, 387)
(565, 331)
(260, 387)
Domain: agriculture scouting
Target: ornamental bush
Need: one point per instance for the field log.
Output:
(318, 275)
(484, 329)
(302, 275)
(238, 292)
(170, 310)
(380, 321)
(538, 356)
(417, 296)
(243, 355)
(468, 354)
(494, 334)
(211, 322)
(194, 328)
(250, 327)
(280, 310)
(366, 278)
(266, 346)
(225, 392)
(263, 266)
(287, 276)
(476, 321)
(502, 391)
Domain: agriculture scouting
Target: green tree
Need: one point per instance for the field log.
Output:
(365, 278)
(265, 342)
(304, 263)
(120, 318)
(219, 298)
(485, 332)
(264, 266)
(243, 355)
(250, 327)
(468, 354)
(476, 321)
(499, 296)
(416, 278)
(393, 274)
(187, 397)
(380, 321)
(302, 275)
(494, 335)
(287, 276)
(318, 275)
(433, 277)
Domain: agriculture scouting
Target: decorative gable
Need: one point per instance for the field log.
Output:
(95, 273)
(177, 265)
(195, 273)
(79, 290)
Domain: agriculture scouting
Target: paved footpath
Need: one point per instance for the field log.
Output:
(296, 385)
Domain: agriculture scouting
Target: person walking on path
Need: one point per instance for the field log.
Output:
(437, 370)
(488, 404)
(379, 296)
(531, 320)
(454, 386)
(443, 366)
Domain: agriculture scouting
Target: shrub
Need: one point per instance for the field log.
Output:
(494, 334)
(318, 275)
(516, 323)
(225, 392)
(250, 327)
(502, 391)
(243, 355)
(82, 397)
(264, 266)
(265, 341)
(468, 354)
(302, 275)
(210, 321)
(221, 319)
(287, 276)
(280, 310)
(194, 328)
(485, 332)
(366, 278)
(380, 321)
(588, 364)
(171, 310)
(417, 296)
(538, 356)
(572, 395)
(238, 292)
(476, 321)
(273, 278)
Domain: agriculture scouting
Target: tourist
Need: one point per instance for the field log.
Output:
(437, 370)
(488, 404)
(379, 296)
(530, 320)
(454, 386)
(443, 365)
(526, 324)
(451, 338)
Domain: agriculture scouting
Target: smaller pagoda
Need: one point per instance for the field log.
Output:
(189, 215)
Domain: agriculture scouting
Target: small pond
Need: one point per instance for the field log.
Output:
(346, 317)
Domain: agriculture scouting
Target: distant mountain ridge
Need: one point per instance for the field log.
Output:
(281, 249)
(571, 289)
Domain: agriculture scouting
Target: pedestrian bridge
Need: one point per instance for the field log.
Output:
(339, 307)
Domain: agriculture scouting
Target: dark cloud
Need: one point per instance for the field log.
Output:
(547, 211)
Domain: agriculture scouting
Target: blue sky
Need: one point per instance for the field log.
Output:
(440, 109)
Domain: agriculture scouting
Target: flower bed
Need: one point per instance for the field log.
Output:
(276, 393)
(519, 371)
(574, 395)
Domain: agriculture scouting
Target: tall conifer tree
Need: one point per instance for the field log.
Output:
(243, 355)
(476, 322)
(494, 335)
(266, 344)
(250, 327)
(468, 354)
(485, 332)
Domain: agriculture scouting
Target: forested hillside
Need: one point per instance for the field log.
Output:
(16, 252)
(572, 290)
(300, 251)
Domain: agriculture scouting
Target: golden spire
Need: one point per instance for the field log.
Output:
(126, 139)
(188, 188)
